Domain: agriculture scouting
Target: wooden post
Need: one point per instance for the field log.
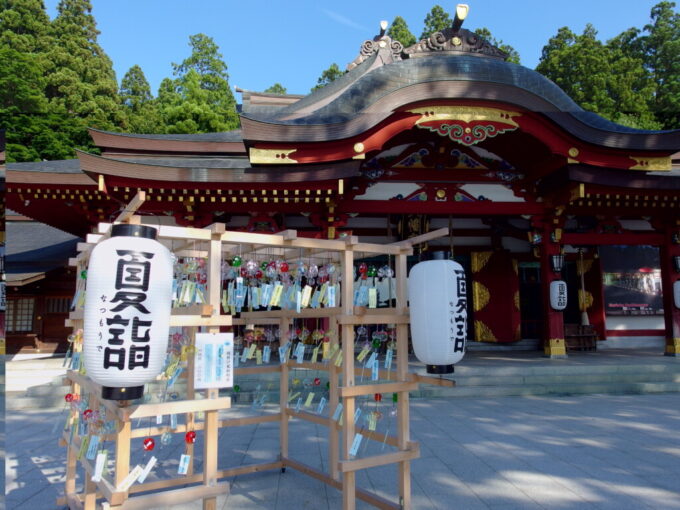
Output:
(284, 326)
(333, 401)
(554, 343)
(123, 438)
(403, 430)
(348, 478)
(669, 277)
(210, 431)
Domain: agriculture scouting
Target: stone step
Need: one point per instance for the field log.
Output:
(561, 390)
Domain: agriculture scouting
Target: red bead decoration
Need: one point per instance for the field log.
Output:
(363, 269)
(68, 397)
(317, 381)
(87, 414)
(148, 444)
(377, 397)
(190, 437)
(283, 267)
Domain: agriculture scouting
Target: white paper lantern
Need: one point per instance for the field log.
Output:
(676, 293)
(558, 295)
(127, 311)
(438, 304)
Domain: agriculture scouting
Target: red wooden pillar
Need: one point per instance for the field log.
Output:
(670, 249)
(553, 323)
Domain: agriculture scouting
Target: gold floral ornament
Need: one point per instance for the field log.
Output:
(480, 296)
(479, 260)
(467, 125)
(483, 333)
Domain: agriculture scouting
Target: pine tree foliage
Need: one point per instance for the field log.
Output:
(329, 75)
(435, 21)
(199, 99)
(399, 31)
(277, 88)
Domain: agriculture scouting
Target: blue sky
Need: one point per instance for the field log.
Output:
(292, 42)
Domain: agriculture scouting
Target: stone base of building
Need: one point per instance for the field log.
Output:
(672, 347)
(555, 348)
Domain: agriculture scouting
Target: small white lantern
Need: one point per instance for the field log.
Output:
(558, 295)
(676, 294)
(438, 304)
(127, 311)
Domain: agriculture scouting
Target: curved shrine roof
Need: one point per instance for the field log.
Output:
(367, 94)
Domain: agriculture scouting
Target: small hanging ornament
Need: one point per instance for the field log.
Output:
(363, 270)
(283, 267)
(83, 274)
(148, 444)
(69, 397)
(395, 397)
(377, 397)
(372, 271)
(190, 437)
(236, 262)
(87, 414)
(166, 438)
(237, 388)
(317, 381)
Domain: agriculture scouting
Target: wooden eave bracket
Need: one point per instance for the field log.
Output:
(422, 238)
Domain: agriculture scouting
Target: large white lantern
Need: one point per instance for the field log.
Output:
(558, 295)
(438, 302)
(127, 311)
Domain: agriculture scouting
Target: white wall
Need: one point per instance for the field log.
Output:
(626, 323)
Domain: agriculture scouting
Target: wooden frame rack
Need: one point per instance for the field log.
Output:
(341, 370)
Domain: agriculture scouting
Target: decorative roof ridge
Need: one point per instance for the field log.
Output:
(388, 50)
(454, 41)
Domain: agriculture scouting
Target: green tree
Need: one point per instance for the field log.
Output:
(277, 88)
(600, 78)
(399, 31)
(80, 79)
(513, 54)
(661, 53)
(199, 100)
(139, 107)
(435, 21)
(329, 75)
(24, 26)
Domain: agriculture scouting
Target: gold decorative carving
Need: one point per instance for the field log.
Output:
(651, 164)
(483, 333)
(515, 299)
(582, 269)
(466, 114)
(456, 41)
(479, 260)
(588, 300)
(573, 152)
(272, 156)
(359, 147)
(480, 296)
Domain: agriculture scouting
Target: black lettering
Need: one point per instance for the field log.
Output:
(133, 299)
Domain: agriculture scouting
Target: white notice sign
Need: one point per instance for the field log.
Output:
(214, 360)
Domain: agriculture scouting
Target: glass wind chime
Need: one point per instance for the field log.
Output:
(253, 285)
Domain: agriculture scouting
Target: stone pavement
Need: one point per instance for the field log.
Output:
(583, 452)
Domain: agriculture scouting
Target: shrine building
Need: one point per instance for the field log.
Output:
(444, 133)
